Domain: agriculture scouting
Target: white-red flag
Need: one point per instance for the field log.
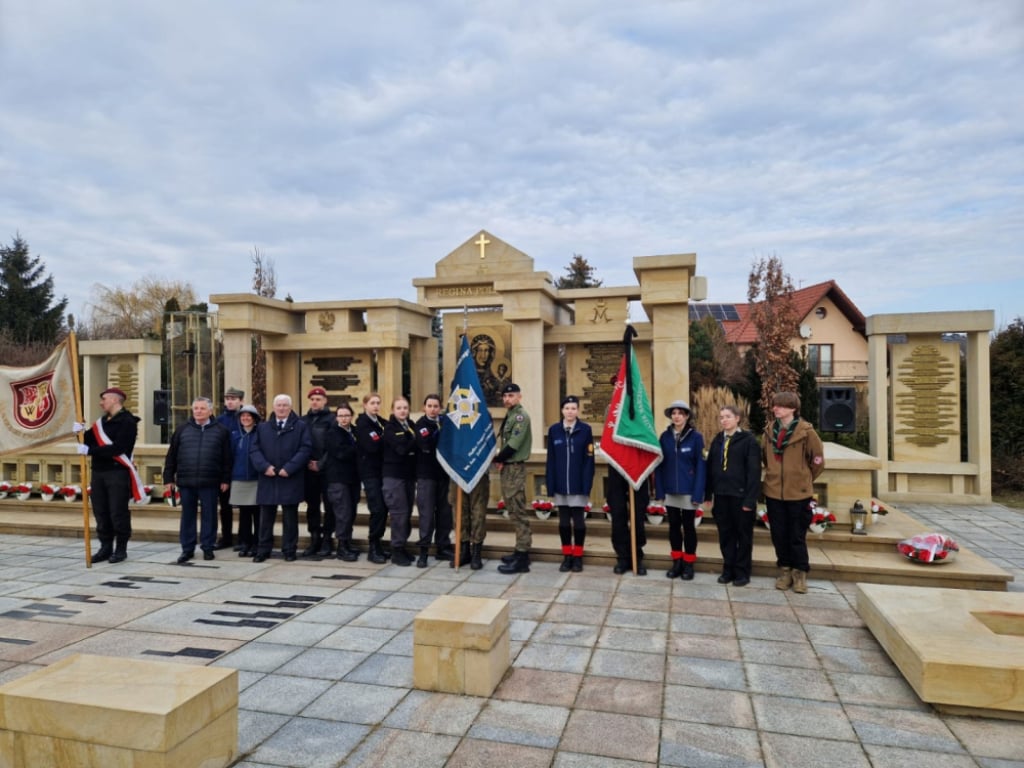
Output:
(37, 403)
(630, 439)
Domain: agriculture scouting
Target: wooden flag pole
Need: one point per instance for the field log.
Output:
(458, 530)
(632, 526)
(83, 463)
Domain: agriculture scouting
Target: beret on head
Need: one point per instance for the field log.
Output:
(234, 392)
(317, 391)
(114, 391)
(570, 399)
(510, 388)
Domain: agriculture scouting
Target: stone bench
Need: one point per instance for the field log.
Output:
(461, 645)
(103, 711)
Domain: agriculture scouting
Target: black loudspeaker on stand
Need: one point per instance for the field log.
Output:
(838, 409)
(161, 407)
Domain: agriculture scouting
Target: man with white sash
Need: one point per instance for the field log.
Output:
(110, 442)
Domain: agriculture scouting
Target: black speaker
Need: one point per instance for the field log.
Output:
(838, 409)
(161, 407)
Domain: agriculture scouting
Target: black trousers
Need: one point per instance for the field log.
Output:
(111, 490)
(735, 535)
(618, 492)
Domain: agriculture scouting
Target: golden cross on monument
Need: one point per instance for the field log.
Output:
(483, 242)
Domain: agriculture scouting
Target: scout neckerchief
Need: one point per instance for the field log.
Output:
(781, 436)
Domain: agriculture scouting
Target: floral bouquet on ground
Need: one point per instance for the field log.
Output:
(172, 499)
(655, 513)
(70, 493)
(821, 518)
(762, 517)
(877, 510)
(698, 517)
(502, 509)
(47, 491)
(928, 548)
(5, 488)
(543, 508)
(23, 491)
(587, 508)
(607, 509)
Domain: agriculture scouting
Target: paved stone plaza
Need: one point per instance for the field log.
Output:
(608, 671)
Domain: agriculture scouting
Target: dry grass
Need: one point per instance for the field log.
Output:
(707, 402)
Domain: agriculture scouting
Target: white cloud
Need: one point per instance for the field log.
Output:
(876, 143)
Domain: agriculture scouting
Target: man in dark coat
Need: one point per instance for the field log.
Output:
(198, 462)
(279, 453)
(320, 420)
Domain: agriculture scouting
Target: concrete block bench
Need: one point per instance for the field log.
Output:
(461, 645)
(103, 711)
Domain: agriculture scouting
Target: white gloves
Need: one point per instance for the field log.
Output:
(77, 427)
(83, 450)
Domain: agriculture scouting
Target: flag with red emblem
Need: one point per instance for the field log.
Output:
(37, 403)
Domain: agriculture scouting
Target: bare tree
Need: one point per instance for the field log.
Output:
(774, 314)
(137, 311)
(264, 283)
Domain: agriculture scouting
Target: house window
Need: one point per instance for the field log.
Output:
(819, 359)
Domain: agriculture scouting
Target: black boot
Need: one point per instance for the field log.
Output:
(104, 552)
(676, 570)
(376, 555)
(464, 555)
(421, 561)
(508, 559)
(577, 563)
(621, 566)
(120, 551)
(566, 565)
(445, 552)
(327, 547)
(475, 560)
(400, 557)
(315, 540)
(687, 571)
(521, 564)
(346, 553)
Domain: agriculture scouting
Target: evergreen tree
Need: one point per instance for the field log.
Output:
(579, 274)
(28, 313)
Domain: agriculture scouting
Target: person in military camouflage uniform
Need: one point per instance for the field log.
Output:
(516, 441)
(475, 532)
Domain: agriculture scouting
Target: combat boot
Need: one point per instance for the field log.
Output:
(521, 564)
(314, 545)
(421, 561)
(475, 560)
(785, 580)
(104, 552)
(799, 581)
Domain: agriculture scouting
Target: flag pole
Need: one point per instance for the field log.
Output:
(458, 529)
(83, 464)
(632, 526)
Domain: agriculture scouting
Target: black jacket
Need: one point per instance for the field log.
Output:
(342, 465)
(122, 428)
(427, 433)
(740, 474)
(199, 456)
(319, 423)
(370, 440)
(399, 453)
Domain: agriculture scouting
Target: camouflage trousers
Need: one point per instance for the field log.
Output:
(474, 509)
(513, 489)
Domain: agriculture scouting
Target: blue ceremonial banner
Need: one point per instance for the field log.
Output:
(466, 442)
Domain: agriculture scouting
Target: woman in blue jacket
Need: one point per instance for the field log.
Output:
(570, 476)
(679, 480)
(244, 479)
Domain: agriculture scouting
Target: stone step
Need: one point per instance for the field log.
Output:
(836, 554)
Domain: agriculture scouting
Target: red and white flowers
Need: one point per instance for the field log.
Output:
(928, 548)
(543, 507)
(655, 513)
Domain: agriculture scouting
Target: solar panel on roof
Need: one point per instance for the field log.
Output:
(718, 311)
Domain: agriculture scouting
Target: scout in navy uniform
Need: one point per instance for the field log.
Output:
(679, 481)
(569, 477)
(516, 440)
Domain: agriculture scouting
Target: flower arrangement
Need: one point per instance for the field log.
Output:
(174, 499)
(70, 492)
(607, 509)
(502, 508)
(655, 513)
(928, 548)
(762, 517)
(698, 517)
(23, 491)
(543, 508)
(47, 491)
(821, 520)
(5, 488)
(877, 510)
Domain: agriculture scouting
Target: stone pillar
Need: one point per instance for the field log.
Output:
(132, 365)
(979, 408)
(389, 377)
(527, 354)
(237, 356)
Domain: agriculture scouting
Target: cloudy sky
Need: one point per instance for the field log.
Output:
(877, 143)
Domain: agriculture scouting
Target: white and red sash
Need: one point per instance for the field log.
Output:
(124, 461)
